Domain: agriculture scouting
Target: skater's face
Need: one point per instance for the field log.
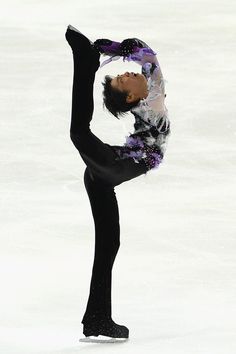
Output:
(134, 84)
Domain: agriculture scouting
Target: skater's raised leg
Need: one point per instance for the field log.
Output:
(99, 156)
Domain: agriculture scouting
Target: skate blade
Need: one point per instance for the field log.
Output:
(102, 339)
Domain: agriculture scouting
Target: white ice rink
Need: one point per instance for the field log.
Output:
(174, 278)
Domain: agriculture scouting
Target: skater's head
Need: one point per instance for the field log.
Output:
(123, 92)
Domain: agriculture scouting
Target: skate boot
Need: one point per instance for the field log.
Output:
(108, 328)
(81, 45)
(73, 35)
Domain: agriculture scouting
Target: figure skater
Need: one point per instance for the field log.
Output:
(110, 165)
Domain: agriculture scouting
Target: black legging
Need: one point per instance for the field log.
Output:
(104, 171)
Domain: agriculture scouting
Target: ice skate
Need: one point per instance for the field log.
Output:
(81, 45)
(106, 331)
(77, 40)
(72, 28)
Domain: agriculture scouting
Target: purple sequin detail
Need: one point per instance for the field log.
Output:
(136, 149)
(136, 56)
(139, 53)
(111, 48)
(153, 160)
(134, 142)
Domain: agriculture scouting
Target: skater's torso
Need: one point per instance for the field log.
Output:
(152, 126)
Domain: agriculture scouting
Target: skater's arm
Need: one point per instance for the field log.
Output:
(136, 50)
(142, 54)
(157, 93)
(152, 71)
(145, 56)
(131, 49)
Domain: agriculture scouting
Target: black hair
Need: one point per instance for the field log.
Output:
(115, 100)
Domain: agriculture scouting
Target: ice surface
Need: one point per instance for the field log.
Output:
(174, 278)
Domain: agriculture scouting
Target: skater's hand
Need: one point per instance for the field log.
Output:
(131, 45)
(100, 44)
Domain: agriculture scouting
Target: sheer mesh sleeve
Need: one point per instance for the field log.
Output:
(156, 84)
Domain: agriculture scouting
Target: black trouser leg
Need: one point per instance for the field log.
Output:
(107, 241)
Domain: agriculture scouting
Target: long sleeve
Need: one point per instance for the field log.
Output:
(152, 110)
(151, 69)
(136, 50)
(156, 85)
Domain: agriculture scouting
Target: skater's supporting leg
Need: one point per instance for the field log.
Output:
(107, 241)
